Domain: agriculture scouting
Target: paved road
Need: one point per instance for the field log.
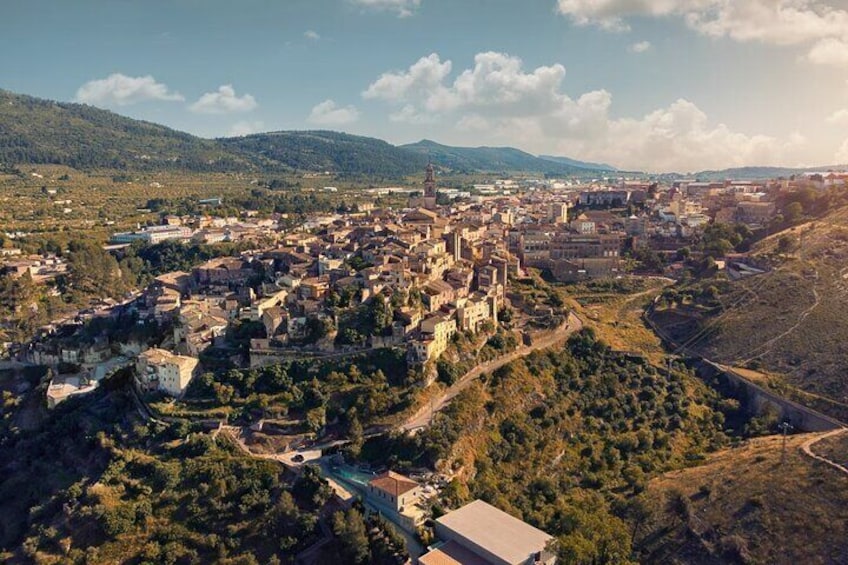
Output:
(424, 415)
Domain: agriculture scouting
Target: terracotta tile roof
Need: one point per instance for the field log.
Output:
(393, 483)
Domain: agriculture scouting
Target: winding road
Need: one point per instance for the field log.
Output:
(425, 414)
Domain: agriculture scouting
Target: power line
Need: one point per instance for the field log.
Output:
(703, 332)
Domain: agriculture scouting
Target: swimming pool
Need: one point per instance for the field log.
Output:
(357, 477)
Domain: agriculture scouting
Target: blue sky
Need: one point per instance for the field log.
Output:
(649, 84)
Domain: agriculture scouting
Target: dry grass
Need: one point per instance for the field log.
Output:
(834, 448)
(617, 317)
(789, 322)
(794, 511)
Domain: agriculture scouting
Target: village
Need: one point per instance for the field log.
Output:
(411, 278)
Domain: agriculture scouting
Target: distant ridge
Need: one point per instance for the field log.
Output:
(325, 151)
(37, 131)
(495, 159)
(579, 164)
(762, 173)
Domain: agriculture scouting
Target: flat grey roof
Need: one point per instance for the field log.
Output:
(502, 535)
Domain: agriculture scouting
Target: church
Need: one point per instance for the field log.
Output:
(428, 201)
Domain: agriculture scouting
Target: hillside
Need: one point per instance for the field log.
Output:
(744, 506)
(760, 173)
(326, 151)
(493, 159)
(564, 437)
(803, 299)
(36, 131)
(45, 132)
(114, 488)
(579, 164)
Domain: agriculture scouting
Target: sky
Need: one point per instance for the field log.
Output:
(653, 85)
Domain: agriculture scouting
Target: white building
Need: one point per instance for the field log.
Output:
(157, 369)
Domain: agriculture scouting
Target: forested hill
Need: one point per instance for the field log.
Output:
(42, 131)
(579, 164)
(326, 151)
(494, 159)
(36, 131)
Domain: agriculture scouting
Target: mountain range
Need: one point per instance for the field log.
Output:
(473, 159)
(38, 131)
(754, 173)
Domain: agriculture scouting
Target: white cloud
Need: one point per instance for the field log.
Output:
(816, 24)
(830, 51)
(328, 113)
(497, 99)
(246, 128)
(311, 34)
(409, 114)
(496, 88)
(223, 101)
(425, 76)
(779, 22)
(403, 8)
(639, 47)
(612, 14)
(681, 138)
(840, 117)
(121, 90)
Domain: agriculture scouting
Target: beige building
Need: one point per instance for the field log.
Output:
(157, 369)
(558, 212)
(473, 312)
(394, 491)
(755, 213)
(479, 533)
(436, 331)
(574, 246)
(436, 294)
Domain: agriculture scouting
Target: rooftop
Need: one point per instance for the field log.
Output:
(393, 483)
(502, 535)
(155, 356)
(451, 553)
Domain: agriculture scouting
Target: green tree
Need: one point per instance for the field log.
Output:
(785, 244)
(352, 533)
(793, 211)
(356, 436)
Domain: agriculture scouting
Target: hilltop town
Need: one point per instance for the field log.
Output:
(410, 277)
(421, 282)
(397, 309)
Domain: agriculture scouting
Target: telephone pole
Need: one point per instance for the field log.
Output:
(785, 427)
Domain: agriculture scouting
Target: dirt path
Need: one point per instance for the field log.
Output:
(807, 448)
(424, 415)
(766, 347)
